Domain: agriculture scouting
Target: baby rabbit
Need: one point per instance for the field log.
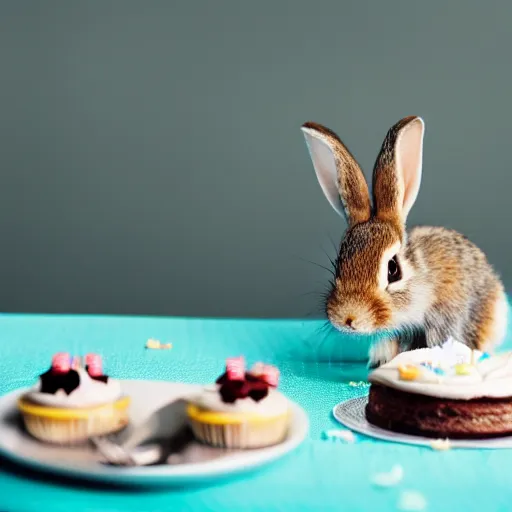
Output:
(420, 287)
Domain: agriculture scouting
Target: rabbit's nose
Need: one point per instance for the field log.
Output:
(348, 322)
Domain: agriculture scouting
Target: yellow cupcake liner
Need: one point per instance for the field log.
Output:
(60, 413)
(237, 430)
(71, 426)
(227, 418)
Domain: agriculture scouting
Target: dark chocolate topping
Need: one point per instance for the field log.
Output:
(52, 381)
(252, 386)
(101, 378)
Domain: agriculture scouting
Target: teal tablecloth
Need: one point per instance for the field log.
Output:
(320, 475)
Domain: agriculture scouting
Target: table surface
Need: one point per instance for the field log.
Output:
(319, 475)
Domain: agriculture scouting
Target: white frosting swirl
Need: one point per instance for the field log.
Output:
(89, 393)
(491, 377)
(274, 404)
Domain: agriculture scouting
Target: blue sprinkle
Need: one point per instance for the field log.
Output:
(484, 356)
(435, 369)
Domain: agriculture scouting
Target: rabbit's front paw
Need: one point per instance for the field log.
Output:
(382, 352)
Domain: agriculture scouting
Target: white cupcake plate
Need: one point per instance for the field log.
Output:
(199, 464)
(351, 414)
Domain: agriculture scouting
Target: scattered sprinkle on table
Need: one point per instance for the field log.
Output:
(156, 344)
(394, 477)
(339, 435)
(412, 501)
(359, 384)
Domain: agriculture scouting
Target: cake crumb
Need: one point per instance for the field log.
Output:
(440, 444)
(394, 477)
(339, 434)
(156, 344)
(412, 501)
(359, 384)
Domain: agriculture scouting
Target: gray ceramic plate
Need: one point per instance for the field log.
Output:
(198, 465)
(351, 414)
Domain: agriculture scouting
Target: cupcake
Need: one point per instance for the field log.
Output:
(71, 404)
(242, 410)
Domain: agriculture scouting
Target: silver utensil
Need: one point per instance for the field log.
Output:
(164, 433)
(115, 454)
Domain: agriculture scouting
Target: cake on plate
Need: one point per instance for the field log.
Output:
(448, 391)
(243, 409)
(72, 402)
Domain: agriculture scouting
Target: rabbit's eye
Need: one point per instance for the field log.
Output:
(394, 273)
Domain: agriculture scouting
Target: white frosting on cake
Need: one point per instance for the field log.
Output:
(89, 393)
(274, 404)
(490, 377)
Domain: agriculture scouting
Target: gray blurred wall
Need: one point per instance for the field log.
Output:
(151, 157)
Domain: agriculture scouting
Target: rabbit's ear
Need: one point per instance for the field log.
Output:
(397, 173)
(338, 173)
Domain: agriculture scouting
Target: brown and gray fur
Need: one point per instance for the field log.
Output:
(447, 288)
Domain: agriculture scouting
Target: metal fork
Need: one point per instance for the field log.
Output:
(165, 432)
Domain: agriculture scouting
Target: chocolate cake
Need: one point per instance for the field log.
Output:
(436, 417)
(445, 392)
